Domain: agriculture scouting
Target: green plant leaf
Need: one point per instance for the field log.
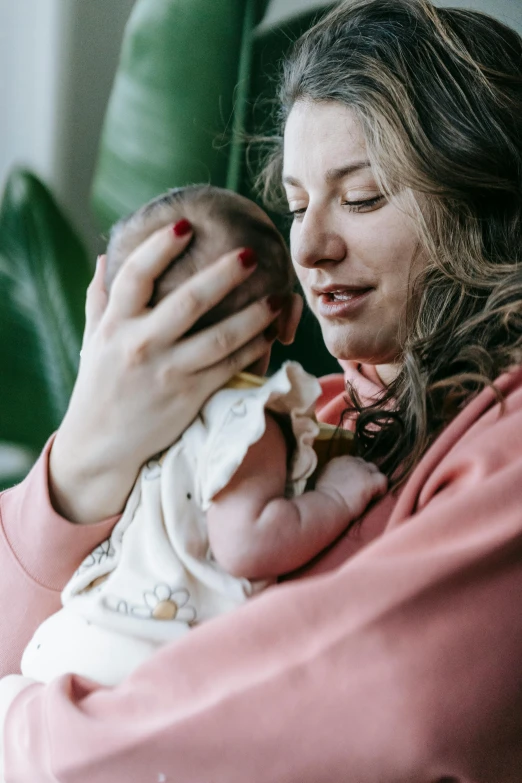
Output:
(44, 273)
(15, 463)
(173, 96)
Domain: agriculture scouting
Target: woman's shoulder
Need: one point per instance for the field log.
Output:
(491, 421)
(481, 447)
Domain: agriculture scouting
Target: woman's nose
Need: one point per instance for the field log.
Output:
(313, 243)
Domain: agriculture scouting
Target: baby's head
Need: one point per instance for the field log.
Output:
(222, 220)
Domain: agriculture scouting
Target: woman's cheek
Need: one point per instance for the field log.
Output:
(303, 275)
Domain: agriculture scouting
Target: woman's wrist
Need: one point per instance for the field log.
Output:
(83, 487)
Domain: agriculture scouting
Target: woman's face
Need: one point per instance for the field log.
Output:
(352, 250)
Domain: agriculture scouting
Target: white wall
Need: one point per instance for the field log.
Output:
(57, 62)
(30, 51)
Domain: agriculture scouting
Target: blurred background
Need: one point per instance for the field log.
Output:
(83, 127)
(58, 59)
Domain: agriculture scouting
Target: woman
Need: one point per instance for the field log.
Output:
(400, 660)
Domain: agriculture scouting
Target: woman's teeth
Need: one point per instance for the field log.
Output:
(341, 296)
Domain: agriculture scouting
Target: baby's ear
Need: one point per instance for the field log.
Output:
(289, 318)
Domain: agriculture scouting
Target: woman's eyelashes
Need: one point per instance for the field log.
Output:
(363, 205)
(295, 214)
(355, 206)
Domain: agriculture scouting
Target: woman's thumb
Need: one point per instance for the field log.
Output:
(97, 298)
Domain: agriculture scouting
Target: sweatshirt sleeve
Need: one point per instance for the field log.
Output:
(401, 665)
(39, 551)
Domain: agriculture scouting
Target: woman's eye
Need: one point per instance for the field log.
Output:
(363, 205)
(295, 214)
(360, 205)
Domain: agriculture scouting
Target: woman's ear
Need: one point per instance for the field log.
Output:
(289, 318)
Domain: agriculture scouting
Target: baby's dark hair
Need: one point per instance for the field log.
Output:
(222, 220)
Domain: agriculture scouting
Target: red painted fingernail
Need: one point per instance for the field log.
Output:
(247, 257)
(275, 302)
(182, 227)
(271, 332)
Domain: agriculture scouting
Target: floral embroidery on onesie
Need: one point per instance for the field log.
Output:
(155, 577)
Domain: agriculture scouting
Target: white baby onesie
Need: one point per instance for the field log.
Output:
(155, 576)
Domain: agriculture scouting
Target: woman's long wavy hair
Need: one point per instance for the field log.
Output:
(438, 94)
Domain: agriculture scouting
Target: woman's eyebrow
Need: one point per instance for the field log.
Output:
(332, 175)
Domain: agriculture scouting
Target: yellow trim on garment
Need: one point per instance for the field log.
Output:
(330, 442)
(245, 380)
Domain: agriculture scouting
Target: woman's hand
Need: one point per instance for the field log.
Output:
(140, 382)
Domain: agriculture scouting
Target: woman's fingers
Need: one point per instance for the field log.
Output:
(215, 377)
(178, 312)
(221, 341)
(134, 283)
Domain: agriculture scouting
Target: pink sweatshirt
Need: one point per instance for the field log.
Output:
(398, 659)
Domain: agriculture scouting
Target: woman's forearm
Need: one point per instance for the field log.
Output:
(39, 552)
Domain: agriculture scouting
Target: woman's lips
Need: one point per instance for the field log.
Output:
(341, 302)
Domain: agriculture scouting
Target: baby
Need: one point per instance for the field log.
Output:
(223, 512)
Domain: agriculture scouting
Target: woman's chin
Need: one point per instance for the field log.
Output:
(354, 347)
(341, 346)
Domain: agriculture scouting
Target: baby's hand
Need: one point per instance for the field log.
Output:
(352, 483)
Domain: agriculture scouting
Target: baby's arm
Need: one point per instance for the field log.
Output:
(255, 532)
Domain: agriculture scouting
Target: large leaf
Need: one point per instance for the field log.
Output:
(44, 273)
(170, 116)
